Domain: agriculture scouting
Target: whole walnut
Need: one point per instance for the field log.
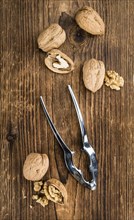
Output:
(89, 20)
(93, 74)
(51, 38)
(35, 166)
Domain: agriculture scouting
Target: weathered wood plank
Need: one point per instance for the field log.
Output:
(108, 114)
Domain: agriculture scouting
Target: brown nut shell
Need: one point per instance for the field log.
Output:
(52, 37)
(35, 166)
(55, 191)
(59, 62)
(93, 74)
(90, 21)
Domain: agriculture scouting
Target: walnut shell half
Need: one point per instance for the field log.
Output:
(55, 191)
(35, 166)
(52, 37)
(59, 62)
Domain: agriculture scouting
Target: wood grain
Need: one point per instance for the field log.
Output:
(108, 114)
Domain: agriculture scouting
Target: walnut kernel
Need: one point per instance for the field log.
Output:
(55, 191)
(43, 201)
(37, 186)
(35, 197)
(113, 80)
(52, 190)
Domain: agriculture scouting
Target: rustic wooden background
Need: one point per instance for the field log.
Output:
(107, 113)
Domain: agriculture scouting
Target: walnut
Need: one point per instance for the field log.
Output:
(55, 191)
(35, 166)
(93, 74)
(52, 190)
(89, 20)
(52, 37)
(113, 80)
(59, 62)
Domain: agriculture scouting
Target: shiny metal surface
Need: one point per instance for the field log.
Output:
(68, 154)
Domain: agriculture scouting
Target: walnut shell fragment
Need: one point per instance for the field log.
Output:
(113, 80)
(93, 74)
(55, 191)
(52, 37)
(90, 21)
(35, 166)
(59, 62)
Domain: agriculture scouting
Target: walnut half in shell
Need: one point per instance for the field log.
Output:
(59, 62)
(52, 190)
(55, 191)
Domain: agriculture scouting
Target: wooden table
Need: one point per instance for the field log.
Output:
(108, 114)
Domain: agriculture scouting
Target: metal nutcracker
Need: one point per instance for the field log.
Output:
(68, 154)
